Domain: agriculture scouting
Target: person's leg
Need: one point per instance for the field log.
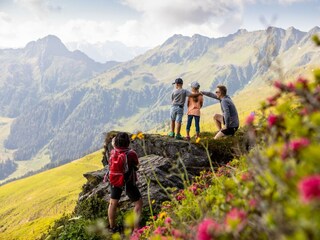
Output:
(189, 122)
(134, 195)
(197, 125)
(173, 124)
(178, 128)
(137, 209)
(115, 194)
(112, 212)
(218, 120)
(219, 135)
(173, 116)
(179, 122)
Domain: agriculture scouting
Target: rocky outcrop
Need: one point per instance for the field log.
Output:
(164, 164)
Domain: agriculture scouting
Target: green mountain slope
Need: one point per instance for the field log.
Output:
(30, 205)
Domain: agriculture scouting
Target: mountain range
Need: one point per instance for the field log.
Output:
(62, 102)
(107, 51)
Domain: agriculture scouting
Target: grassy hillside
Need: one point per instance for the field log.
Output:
(30, 205)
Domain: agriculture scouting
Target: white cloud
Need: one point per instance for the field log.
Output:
(39, 7)
(162, 19)
(180, 12)
(86, 30)
(5, 17)
(158, 21)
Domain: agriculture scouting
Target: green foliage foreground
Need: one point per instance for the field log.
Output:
(272, 193)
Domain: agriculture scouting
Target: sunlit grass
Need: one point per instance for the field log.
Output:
(29, 206)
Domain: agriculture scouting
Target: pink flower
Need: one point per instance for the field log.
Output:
(168, 221)
(272, 120)
(271, 101)
(229, 197)
(291, 86)
(285, 152)
(236, 219)
(246, 176)
(302, 81)
(160, 230)
(309, 188)
(177, 233)
(304, 112)
(297, 144)
(253, 202)
(250, 119)
(278, 84)
(206, 228)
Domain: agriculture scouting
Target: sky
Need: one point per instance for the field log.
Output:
(146, 23)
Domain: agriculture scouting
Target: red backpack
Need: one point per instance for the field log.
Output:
(118, 166)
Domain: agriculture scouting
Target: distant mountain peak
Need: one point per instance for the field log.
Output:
(175, 38)
(314, 30)
(50, 44)
(241, 31)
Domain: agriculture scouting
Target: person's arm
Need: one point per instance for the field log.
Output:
(201, 101)
(209, 94)
(190, 94)
(194, 94)
(226, 113)
(134, 160)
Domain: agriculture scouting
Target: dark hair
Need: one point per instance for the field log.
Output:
(222, 89)
(122, 140)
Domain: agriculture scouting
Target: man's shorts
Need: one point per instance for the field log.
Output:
(132, 192)
(229, 131)
(176, 113)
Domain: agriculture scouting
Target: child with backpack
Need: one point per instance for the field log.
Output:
(194, 104)
(178, 98)
(123, 164)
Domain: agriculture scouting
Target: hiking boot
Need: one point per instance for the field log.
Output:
(179, 137)
(188, 138)
(115, 229)
(171, 134)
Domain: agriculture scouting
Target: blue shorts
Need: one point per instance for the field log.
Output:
(176, 113)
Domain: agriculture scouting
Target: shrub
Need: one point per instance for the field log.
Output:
(271, 193)
(91, 208)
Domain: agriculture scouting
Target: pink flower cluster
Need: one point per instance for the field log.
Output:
(236, 219)
(294, 146)
(207, 228)
(272, 120)
(272, 101)
(137, 233)
(180, 196)
(250, 119)
(309, 188)
(160, 230)
(290, 87)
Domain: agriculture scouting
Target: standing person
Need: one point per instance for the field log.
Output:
(178, 98)
(194, 104)
(120, 179)
(230, 115)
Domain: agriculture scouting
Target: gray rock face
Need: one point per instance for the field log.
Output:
(164, 160)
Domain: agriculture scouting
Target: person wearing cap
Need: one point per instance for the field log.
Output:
(178, 98)
(229, 116)
(194, 104)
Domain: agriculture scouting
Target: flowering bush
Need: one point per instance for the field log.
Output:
(273, 192)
